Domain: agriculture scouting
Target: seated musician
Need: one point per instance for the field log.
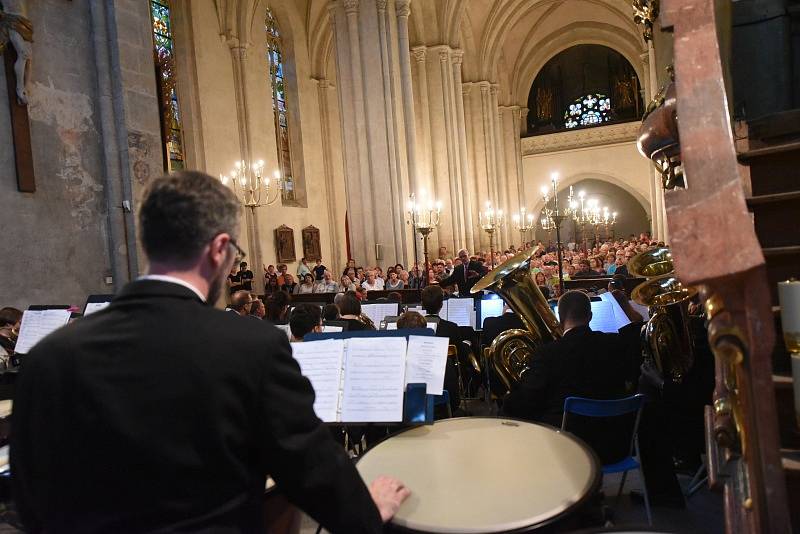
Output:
(161, 413)
(350, 310)
(583, 363)
(304, 319)
(411, 319)
(494, 326)
(432, 302)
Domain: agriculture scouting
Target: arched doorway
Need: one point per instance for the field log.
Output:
(631, 216)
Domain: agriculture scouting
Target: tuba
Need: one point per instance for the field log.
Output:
(511, 352)
(666, 339)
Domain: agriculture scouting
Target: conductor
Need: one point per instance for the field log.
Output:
(162, 413)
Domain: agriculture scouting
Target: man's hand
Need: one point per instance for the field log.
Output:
(388, 494)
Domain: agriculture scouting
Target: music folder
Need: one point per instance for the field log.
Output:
(95, 303)
(363, 379)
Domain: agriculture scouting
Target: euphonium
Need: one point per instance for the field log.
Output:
(511, 352)
(666, 339)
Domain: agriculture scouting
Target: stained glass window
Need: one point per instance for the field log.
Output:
(588, 110)
(275, 59)
(164, 57)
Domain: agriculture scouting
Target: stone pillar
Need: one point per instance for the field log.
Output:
(467, 181)
(500, 174)
(334, 232)
(488, 140)
(452, 165)
(420, 56)
(403, 10)
(476, 184)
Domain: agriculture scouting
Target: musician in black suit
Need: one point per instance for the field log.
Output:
(161, 413)
(494, 326)
(465, 275)
(583, 363)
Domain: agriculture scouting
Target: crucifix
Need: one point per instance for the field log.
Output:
(17, 30)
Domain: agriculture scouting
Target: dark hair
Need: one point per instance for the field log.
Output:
(574, 306)
(181, 213)
(254, 307)
(432, 299)
(9, 315)
(330, 312)
(394, 296)
(350, 305)
(411, 319)
(618, 282)
(304, 318)
(276, 305)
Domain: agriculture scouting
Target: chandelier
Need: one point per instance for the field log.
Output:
(249, 185)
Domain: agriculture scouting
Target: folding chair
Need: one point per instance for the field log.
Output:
(614, 408)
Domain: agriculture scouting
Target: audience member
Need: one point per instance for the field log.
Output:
(303, 269)
(326, 284)
(307, 285)
(393, 282)
(245, 276)
(289, 284)
(305, 318)
(234, 281)
(372, 283)
(257, 309)
(319, 269)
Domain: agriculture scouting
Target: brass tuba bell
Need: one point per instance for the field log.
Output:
(511, 352)
(666, 339)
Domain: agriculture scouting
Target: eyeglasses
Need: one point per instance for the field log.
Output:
(240, 254)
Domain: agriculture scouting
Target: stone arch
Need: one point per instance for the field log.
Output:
(536, 55)
(635, 213)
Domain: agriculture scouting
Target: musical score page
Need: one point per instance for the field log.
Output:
(604, 319)
(321, 363)
(36, 324)
(460, 311)
(374, 377)
(94, 307)
(620, 317)
(378, 312)
(425, 362)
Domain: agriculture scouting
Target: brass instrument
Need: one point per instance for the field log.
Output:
(364, 318)
(666, 339)
(511, 352)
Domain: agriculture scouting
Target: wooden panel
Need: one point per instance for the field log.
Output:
(20, 128)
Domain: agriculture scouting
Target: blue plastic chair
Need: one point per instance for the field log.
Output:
(614, 408)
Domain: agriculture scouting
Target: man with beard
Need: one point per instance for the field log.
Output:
(162, 413)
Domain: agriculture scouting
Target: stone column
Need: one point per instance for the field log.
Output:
(473, 126)
(327, 155)
(403, 10)
(469, 191)
(420, 56)
(500, 171)
(488, 139)
(452, 166)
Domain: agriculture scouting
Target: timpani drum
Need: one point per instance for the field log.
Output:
(484, 474)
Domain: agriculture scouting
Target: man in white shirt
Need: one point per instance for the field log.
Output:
(326, 285)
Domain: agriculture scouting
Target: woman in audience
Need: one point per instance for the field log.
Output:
(541, 281)
(288, 283)
(597, 266)
(393, 282)
(405, 279)
(350, 308)
(346, 283)
(307, 286)
(278, 307)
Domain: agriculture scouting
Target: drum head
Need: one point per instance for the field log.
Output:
(481, 474)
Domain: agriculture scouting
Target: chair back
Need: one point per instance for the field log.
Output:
(608, 426)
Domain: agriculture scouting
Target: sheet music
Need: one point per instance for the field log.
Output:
(374, 377)
(377, 312)
(425, 362)
(419, 309)
(433, 326)
(491, 308)
(443, 312)
(460, 310)
(321, 363)
(620, 317)
(391, 326)
(36, 324)
(286, 329)
(94, 307)
(327, 328)
(604, 319)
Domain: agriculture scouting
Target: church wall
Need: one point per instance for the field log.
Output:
(60, 240)
(618, 163)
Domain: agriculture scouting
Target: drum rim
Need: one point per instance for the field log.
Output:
(593, 486)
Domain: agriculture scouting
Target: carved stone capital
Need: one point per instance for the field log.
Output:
(420, 53)
(381, 5)
(494, 89)
(484, 87)
(466, 88)
(403, 8)
(458, 57)
(350, 6)
(444, 55)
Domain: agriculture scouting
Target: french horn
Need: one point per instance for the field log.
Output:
(666, 339)
(511, 352)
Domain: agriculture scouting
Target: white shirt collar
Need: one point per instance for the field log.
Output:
(173, 280)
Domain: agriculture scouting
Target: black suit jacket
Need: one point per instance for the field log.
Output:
(494, 326)
(451, 331)
(162, 413)
(583, 363)
(464, 283)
